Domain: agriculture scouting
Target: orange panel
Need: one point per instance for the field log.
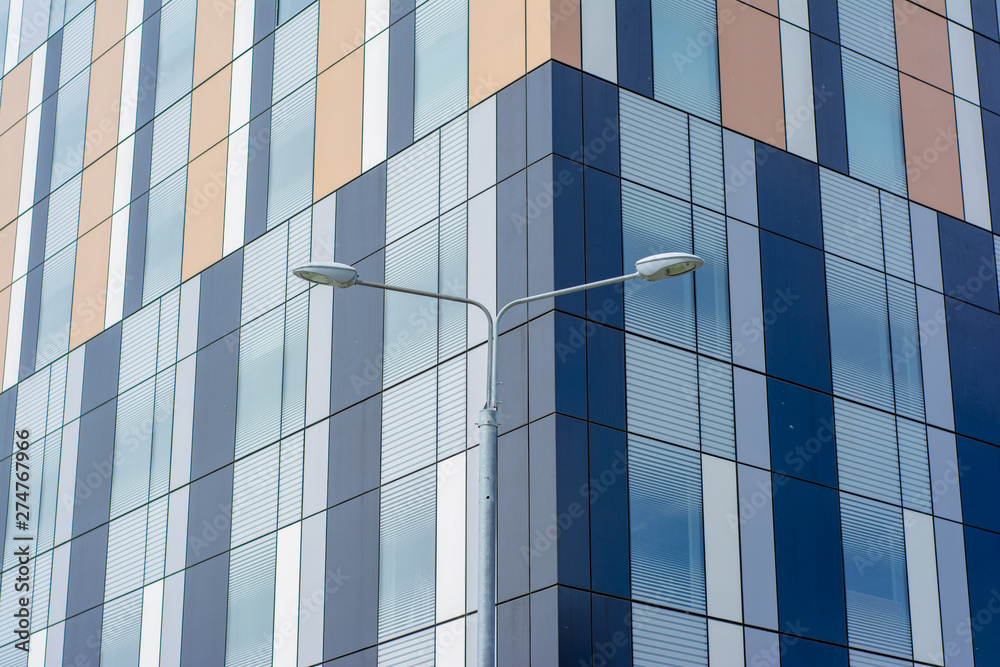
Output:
(538, 33)
(98, 196)
(750, 72)
(7, 236)
(109, 25)
(11, 156)
(769, 6)
(14, 103)
(4, 319)
(338, 138)
(210, 112)
(341, 29)
(496, 46)
(90, 286)
(565, 28)
(922, 44)
(103, 104)
(930, 137)
(938, 6)
(205, 213)
(213, 48)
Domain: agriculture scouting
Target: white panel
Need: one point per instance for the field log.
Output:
(22, 244)
(450, 644)
(243, 26)
(796, 73)
(921, 575)
(973, 159)
(130, 91)
(115, 301)
(13, 35)
(482, 271)
(964, 75)
(12, 357)
(36, 656)
(54, 645)
(74, 383)
(314, 490)
(312, 589)
(60, 583)
(795, 11)
(36, 83)
(173, 617)
(597, 22)
(450, 538)
(152, 620)
(376, 102)
(482, 146)
(725, 645)
(180, 460)
(320, 344)
(239, 99)
(376, 17)
(187, 327)
(30, 161)
(935, 367)
(123, 174)
(722, 539)
(960, 11)
(177, 521)
(286, 596)
(133, 15)
(747, 310)
(236, 190)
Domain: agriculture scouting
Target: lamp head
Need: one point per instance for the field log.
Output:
(667, 265)
(327, 273)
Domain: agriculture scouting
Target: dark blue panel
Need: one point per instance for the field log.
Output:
(988, 67)
(572, 510)
(635, 46)
(351, 603)
(808, 560)
(967, 262)
(146, 99)
(600, 124)
(823, 19)
(400, 127)
(796, 335)
(357, 339)
(82, 638)
(53, 56)
(567, 121)
(603, 223)
(608, 498)
(539, 111)
(828, 82)
(511, 129)
(798, 652)
(979, 467)
(265, 17)
(213, 439)
(100, 368)
(258, 160)
(86, 571)
(39, 223)
(210, 516)
(512, 247)
(566, 190)
(984, 18)
(571, 364)
(142, 160)
(800, 426)
(220, 300)
(788, 195)
(612, 631)
(974, 349)
(981, 549)
(8, 402)
(263, 69)
(574, 627)
(94, 469)
(29, 326)
(605, 375)
(991, 142)
(355, 451)
(135, 255)
(206, 602)
(361, 216)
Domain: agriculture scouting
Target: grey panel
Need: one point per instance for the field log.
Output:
(86, 571)
(934, 365)
(95, 454)
(219, 302)
(351, 620)
(752, 438)
(366, 658)
(756, 525)
(357, 337)
(82, 639)
(954, 592)
(539, 111)
(354, 454)
(512, 247)
(542, 493)
(258, 166)
(513, 377)
(206, 601)
(541, 360)
(926, 247)
(541, 245)
(513, 633)
(400, 124)
(511, 129)
(361, 217)
(213, 439)
(210, 516)
(263, 69)
(135, 255)
(545, 627)
(741, 177)
(762, 648)
(8, 401)
(29, 329)
(100, 370)
(945, 474)
(513, 537)
(746, 305)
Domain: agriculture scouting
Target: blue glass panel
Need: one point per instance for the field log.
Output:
(800, 426)
(600, 124)
(981, 549)
(984, 17)
(988, 68)
(567, 121)
(798, 652)
(991, 142)
(608, 511)
(867, 26)
(612, 633)
(441, 81)
(975, 366)
(831, 126)
(686, 56)
(605, 375)
(635, 46)
(602, 202)
(967, 262)
(571, 369)
(788, 200)
(823, 19)
(979, 465)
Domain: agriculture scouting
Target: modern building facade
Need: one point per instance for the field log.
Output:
(789, 458)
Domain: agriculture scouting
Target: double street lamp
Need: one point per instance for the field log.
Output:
(653, 268)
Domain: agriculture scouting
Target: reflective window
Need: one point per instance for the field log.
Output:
(852, 226)
(295, 46)
(290, 168)
(77, 43)
(71, 126)
(867, 459)
(411, 321)
(654, 145)
(441, 63)
(255, 495)
(56, 306)
(686, 56)
(250, 615)
(164, 237)
(658, 633)
(646, 364)
(258, 406)
(175, 59)
(171, 132)
(868, 27)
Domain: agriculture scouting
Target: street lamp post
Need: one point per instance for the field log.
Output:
(653, 268)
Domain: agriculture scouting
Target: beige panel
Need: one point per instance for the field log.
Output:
(11, 156)
(538, 33)
(938, 6)
(750, 72)
(213, 48)
(97, 198)
(210, 112)
(341, 29)
(7, 236)
(566, 32)
(922, 44)
(14, 102)
(109, 25)
(4, 319)
(103, 104)
(496, 46)
(930, 137)
(205, 212)
(769, 6)
(90, 286)
(338, 137)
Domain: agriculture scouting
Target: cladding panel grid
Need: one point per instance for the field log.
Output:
(664, 638)
(654, 145)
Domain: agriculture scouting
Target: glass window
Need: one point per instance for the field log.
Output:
(852, 225)
(56, 306)
(665, 520)
(416, 650)
(408, 426)
(412, 192)
(868, 27)
(264, 274)
(164, 237)
(120, 631)
(905, 337)
(867, 458)
(658, 633)
(686, 56)
(125, 554)
(715, 400)
(411, 321)
(175, 59)
(171, 132)
(64, 216)
(646, 364)
(654, 145)
(711, 284)
(255, 495)
(77, 43)
(295, 46)
(258, 407)
(914, 471)
(250, 616)
(71, 128)
(289, 8)
(138, 354)
(452, 279)
(163, 422)
(34, 25)
(133, 444)
(896, 236)
(441, 63)
(707, 180)
(454, 162)
(293, 381)
(290, 168)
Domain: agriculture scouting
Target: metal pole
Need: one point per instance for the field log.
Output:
(486, 645)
